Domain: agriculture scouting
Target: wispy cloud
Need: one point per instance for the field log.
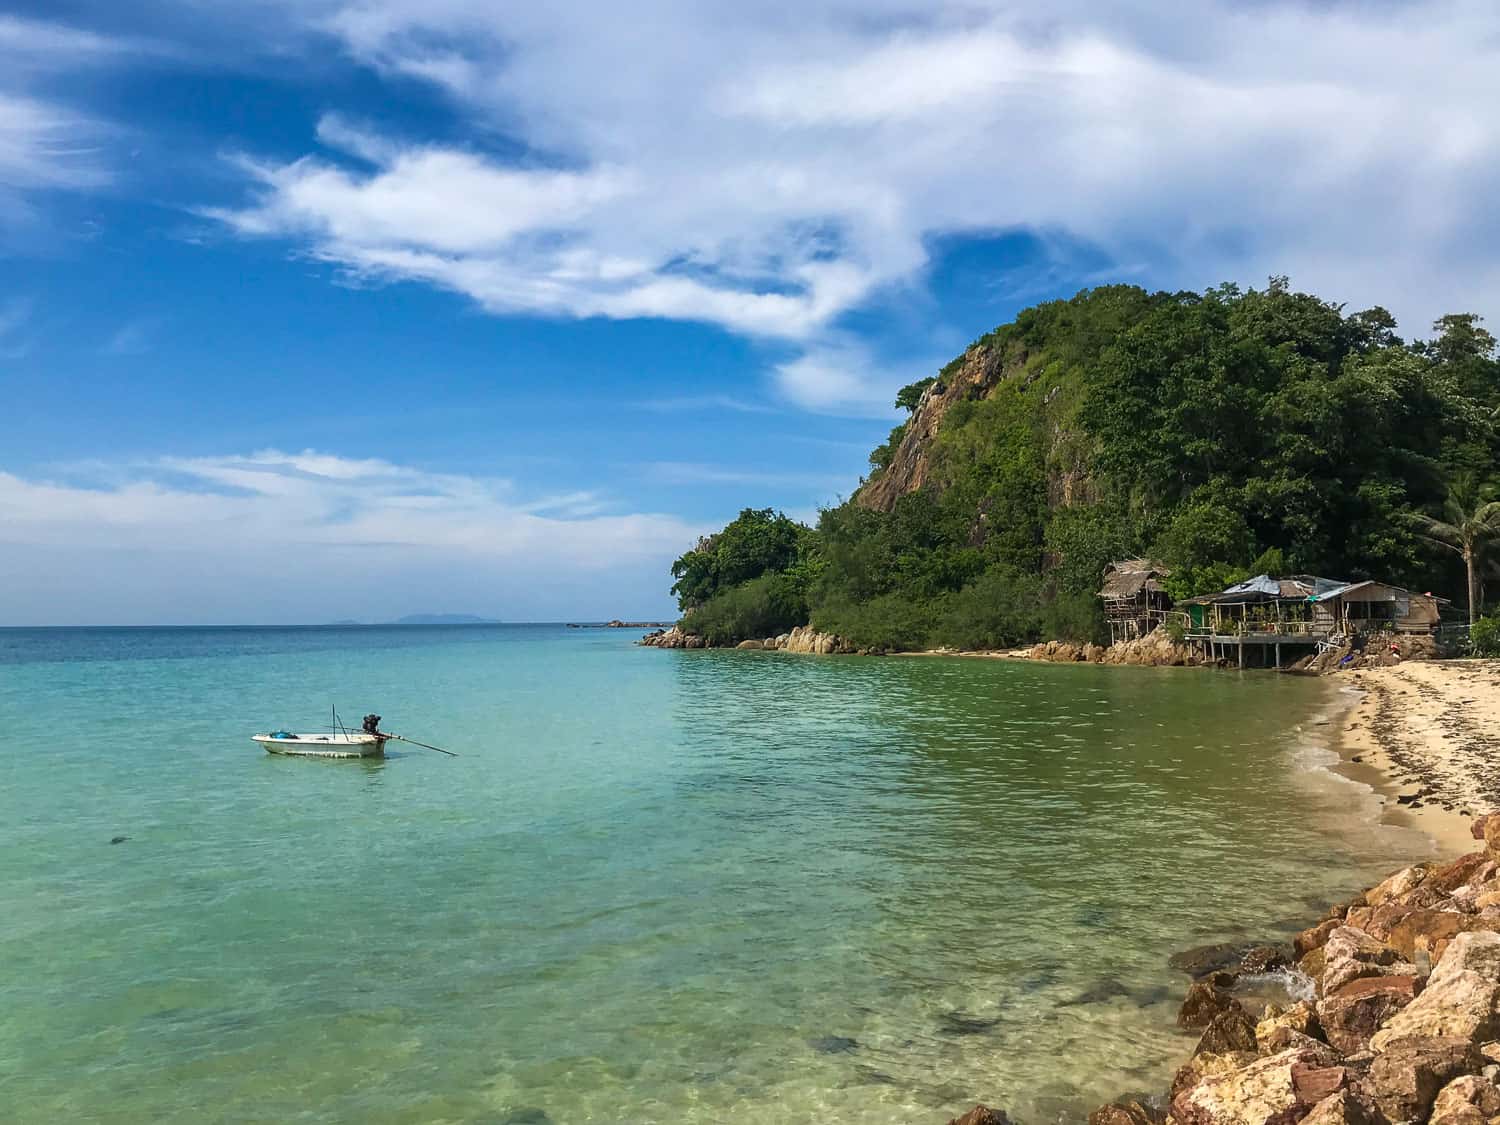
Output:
(279, 524)
(134, 337)
(700, 473)
(707, 403)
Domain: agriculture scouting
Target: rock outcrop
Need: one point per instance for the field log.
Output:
(803, 639)
(1156, 648)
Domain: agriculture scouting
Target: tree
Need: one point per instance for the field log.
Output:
(911, 394)
(1473, 521)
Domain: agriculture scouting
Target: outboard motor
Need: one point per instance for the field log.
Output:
(372, 724)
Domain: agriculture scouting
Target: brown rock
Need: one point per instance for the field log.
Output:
(1405, 1080)
(1264, 1092)
(1359, 917)
(1127, 1113)
(1451, 876)
(1314, 937)
(1347, 1107)
(1313, 964)
(1469, 1100)
(1492, 834)
(1231, 1030)
(1204, 1001)
(982, 1115)
(1460, 998)
(1399, 884)
(1313, 1083)
(1350, 954)
(1352, 1015)
(1299, 1018)
(1204, 1066)
(1477, 827)
(1428, 931)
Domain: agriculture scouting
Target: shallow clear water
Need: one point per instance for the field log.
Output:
(658, 886)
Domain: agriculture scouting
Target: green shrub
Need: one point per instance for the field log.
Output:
(763, 607)
(1484, 637)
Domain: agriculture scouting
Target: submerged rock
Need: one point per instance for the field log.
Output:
(833, 1044)
(1202, 960)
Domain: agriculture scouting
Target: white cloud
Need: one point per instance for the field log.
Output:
(729, 164)
(45, 144)
(349, 537)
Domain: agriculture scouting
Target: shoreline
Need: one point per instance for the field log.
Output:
(1419, 734)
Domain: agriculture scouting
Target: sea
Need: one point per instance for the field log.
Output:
(654, 886)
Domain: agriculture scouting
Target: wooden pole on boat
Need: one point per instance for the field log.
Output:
(423, 745)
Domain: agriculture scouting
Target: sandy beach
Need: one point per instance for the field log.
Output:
(1426, 736)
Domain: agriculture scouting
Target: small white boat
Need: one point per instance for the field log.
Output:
(336, 744)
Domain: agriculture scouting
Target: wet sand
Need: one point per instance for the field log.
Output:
(1426, 736)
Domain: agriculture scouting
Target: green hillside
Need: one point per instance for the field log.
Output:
(1223, 433)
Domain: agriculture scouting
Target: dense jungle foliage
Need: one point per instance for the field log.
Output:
(1223, 433)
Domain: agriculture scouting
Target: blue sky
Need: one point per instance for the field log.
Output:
(315, 309)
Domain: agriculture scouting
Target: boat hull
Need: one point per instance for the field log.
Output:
(324, 745)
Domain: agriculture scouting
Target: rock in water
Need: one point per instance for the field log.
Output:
(982, 1115)
(1204, 1001)
(1230, 1031)
(1127, 1113)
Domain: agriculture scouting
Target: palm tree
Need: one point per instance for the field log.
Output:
(1473, 520)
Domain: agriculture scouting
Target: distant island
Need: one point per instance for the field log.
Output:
(445, 619)
(429, 619)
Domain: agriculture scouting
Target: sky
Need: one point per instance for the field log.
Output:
(325, 309)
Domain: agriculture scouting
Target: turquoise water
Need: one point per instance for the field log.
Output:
(658, 886)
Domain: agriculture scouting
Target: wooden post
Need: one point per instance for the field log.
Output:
(1242, 654)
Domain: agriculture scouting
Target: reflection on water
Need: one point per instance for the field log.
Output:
(658, 886)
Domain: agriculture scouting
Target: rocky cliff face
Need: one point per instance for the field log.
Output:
(977, 375)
